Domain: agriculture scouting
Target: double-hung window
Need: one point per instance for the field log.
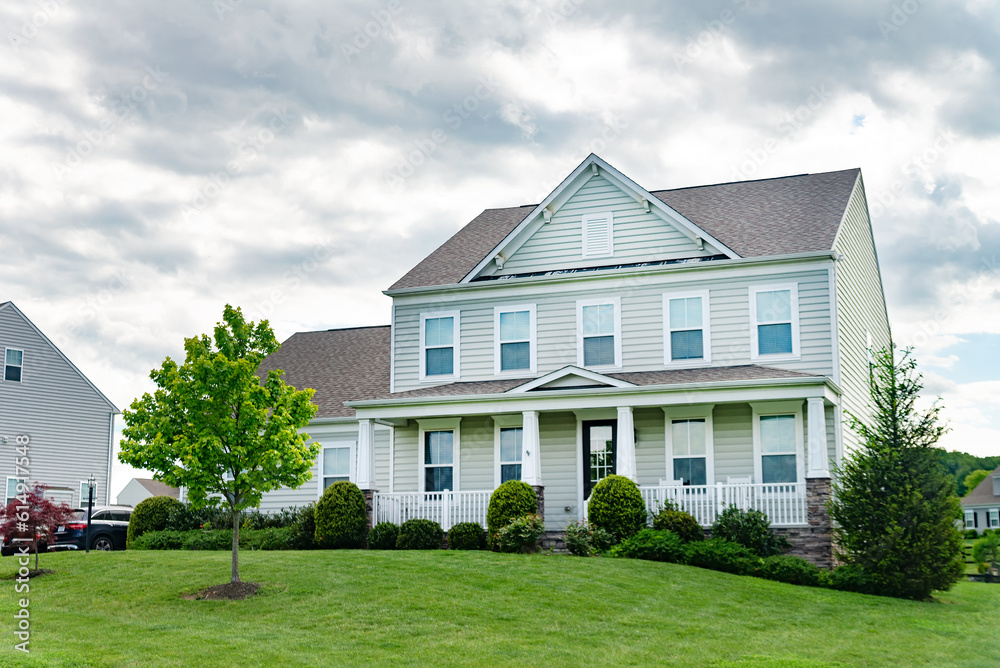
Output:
(12, 491)
(778, 449)
(510, 453)
(514, 335)
(439, 461)
(689, 443)
(13, 363)
(993, 518)
(774, 322)
(599, 340)
(337, 459)
(686, 334)
(85, 493)
(439, 346)
(970, 519)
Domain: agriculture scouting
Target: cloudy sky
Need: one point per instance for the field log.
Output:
(158, 160)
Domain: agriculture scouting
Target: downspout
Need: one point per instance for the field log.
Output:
(111, 447)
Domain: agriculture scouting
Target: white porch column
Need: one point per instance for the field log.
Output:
(819, 466)
(531, 461)
(366, 454)
(625, 462)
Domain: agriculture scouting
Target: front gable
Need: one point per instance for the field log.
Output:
(569, 377)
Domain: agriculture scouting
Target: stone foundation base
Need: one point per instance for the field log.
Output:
(554, 540)
(369, 504)
(540, 500)
(813, 544)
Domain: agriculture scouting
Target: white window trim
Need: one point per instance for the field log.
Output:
(993, 518)
(754, 344)
(703, 411)
(352, 463)
(760, 410)
(603, 215)
(3, 369)
(617, 302)
(970, 519)
(84, 495)
(456, 347)
(439, 424)
(7, 499)
(502, 422)
(532, 341)
(706, 330)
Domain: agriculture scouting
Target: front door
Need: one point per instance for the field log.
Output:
(598, 452)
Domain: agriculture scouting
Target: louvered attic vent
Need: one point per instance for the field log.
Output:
(598, 234)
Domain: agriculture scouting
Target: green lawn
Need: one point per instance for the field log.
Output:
(474, 608)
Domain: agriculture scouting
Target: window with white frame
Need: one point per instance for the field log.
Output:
(13, 363)
(689, 440)
(12, 491)
(686, 331)
(778, 449)
(993, 518)
(599, 341)
(598, 234)
(439, 345)
(774, 318)
(970, 519)
(336, 463)
(85, 493)
(439, 461)
(514, 335)
(510, 453)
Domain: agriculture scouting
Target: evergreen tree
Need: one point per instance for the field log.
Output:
(894, 505)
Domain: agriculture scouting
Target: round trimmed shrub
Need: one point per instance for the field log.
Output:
(681, 523)
(467, 536)
(151, 514)
(749, 528)
(419, 535)
(509, 501)
(617, 507)
(341, 517)
(652, 545)
(383, 536)
(722, 555)
(971, 534)
(790, 569)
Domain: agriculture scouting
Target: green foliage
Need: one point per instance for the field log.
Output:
(971, 481)
(584, 539)
(894, 506)
(652, 545)
(185, 517)
(790, 569)
(749, 528)
(281, 538)
(960, 464)
(303, 527)
(510, 500)
(718, 554)
(521, 535)
(986, 551)
(341, 516)
(616, 506)
(671, 518)
(159, 540)
(467, 536)
(383, 536)
(971, 534)
(419, 535)
(150, 514)
(213, 540)
(849, 578)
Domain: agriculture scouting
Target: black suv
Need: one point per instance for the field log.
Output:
(108, 529)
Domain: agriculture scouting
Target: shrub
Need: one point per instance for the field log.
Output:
(584, 539)
(971, 534)
(273, 538)
(790, 569)
(467, 536)
(383, 536)
(722, 555)
(158, 540)
(670, 518)
(419, 535)
(255, 520)
(341, 517)
(652, 545)
(216, 539)
(149, 515)
(986, 551)
(184, 517)
(616, 506)
(303, 527)
(509, 501)
(749, 528)
(849, 578)
(521, 535)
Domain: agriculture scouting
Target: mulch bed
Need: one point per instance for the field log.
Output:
(31, 574)
(231, 591)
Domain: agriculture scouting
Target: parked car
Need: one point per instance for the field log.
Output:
(108, 529)
(8, 548)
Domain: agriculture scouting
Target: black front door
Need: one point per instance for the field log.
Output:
(599, 452)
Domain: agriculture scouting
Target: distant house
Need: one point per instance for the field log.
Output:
(982, 504)
(140, 489)
(45, 400)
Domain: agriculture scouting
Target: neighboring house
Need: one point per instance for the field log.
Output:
(68, 422)
(140, 489)
(982, 504)
(704, 342)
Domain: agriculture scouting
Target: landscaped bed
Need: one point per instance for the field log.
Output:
(366, 607)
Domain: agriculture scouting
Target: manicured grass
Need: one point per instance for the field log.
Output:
(473, 608)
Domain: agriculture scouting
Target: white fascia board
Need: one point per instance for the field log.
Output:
(570, 370)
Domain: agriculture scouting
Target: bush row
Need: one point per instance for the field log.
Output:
(282, 538)
(972, 534)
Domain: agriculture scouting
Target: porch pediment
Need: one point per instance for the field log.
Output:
(569, 377)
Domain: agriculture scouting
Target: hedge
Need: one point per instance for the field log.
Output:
(419, 535)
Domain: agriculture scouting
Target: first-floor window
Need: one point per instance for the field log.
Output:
(777, 448)
(993, 517)
(970, 519)
(12, 484)
(689, 441)
(439, 461)
(510, 453)
(85, 493)
(336, 464)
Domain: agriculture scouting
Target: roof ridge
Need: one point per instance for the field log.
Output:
(770, 178)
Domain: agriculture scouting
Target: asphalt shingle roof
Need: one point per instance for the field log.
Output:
(983, 492)
(157, 488)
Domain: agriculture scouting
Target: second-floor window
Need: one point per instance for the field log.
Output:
(774, 321)
(514, 331)
(599, 341)
(686, 336)
(13, 361)
(439, 348)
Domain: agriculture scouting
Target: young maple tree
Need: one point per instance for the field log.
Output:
(217, 429)
(30, 514)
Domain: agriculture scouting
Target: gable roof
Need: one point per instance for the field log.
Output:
(157, 488)
(983, 494)
(340, 364)
(778, 216)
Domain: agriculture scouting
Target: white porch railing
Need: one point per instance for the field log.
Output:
(784, 504)
(445, 508)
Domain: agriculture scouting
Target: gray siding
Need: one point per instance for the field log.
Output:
(733, 433)
(557, 433)
(406, 461)
(477, 453)
(67, 421)
(650, 449)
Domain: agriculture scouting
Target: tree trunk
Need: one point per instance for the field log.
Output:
(236, 546)
(36, 553)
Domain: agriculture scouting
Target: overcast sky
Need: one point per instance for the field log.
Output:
(158, 160)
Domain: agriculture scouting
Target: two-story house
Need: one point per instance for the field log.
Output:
(982, 505)
(48, 404)
(704, 342)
